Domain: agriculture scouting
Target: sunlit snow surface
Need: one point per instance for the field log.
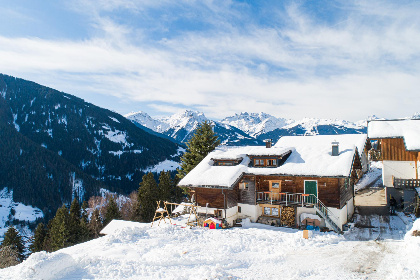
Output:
(254, 251)
(166, 165)
(374, 173)
(22, 212)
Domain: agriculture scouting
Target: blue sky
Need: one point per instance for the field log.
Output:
(291, 59)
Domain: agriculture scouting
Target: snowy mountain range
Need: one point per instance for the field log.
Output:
(181, 127)
(244, 128)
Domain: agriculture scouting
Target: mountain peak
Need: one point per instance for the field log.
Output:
(138, 113)
(254, 123)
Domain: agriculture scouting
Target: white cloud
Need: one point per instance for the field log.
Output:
(366, 63)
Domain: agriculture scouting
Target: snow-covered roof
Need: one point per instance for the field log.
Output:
(310, 156)
(409, 130)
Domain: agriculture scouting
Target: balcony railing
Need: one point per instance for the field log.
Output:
(286, 198)
(300, 199)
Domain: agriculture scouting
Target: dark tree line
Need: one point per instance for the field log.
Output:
(81, 223)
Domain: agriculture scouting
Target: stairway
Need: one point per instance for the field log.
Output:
(303, 200)
(325, 213)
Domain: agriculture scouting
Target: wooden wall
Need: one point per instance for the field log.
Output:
(247, 196)
(346, 190)
(394, 149)
(333, 192)
(215, 197)
(329, 189)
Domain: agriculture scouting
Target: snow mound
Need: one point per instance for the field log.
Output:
(173, 252)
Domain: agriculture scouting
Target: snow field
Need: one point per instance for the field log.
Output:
(255, 251)
(171, 252)
(22, 212)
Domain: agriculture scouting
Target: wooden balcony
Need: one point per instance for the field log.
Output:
(286, 199)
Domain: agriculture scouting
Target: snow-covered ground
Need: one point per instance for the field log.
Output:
(166, 165)
(10, 210)
(254, 251)
(374, 174)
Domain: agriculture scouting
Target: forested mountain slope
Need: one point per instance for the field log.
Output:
(54, 142)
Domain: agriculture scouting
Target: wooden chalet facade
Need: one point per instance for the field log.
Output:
(267, 183)
(398, 142)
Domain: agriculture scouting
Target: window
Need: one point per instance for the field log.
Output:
(271, 162)
(239, 209)
(218, 213)
(224, 163)
(271, 211)
(243, 186)
(265, 162)
(259, 162)
(275, 185)
(274, 211)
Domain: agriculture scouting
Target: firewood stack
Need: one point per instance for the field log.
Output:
(288, 216)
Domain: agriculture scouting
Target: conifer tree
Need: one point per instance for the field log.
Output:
(95, 223)
(200, 145)
(165, 186)
(147, 197)
(84, 213)
(13, 239)
(84, 223)
(47, 240)
(111, 211)
(74, 222)
(177, 193)
(60, 233)
(39, 238)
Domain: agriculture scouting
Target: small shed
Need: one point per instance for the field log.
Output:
(212, 223)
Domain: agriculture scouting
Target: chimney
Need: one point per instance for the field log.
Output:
(268, 143)
(335, 151)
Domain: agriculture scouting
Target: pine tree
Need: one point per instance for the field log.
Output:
(60, 233)
(74, 222)
(200, 145)
(165, 186)
(13, 239)
(39, 238)
(147, 197)
(84, 223)
(177, 193)
(95, 224)
(84, 213)
(111, 211)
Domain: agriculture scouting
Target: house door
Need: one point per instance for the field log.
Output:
(311, 188)
(275, 189)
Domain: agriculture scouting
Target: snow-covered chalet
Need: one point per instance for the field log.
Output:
(300, 177)
(399, 144)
